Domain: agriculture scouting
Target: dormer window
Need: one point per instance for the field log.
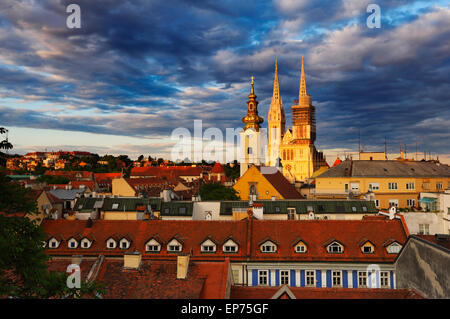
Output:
(124, 243)
(230, 247)
(268, 247)
(111, 243)
(367, 248)
(174, 246)
(72, 243)
(335, 248)
(394, 248)
(153, 246)
(86, 243)
(53, 243)
(300, 248)
(208, 246)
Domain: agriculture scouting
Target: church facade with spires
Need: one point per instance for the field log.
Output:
(291, 148)
(294, 146)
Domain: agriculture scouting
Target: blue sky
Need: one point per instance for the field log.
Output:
(136, 70)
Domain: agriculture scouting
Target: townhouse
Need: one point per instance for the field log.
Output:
(297, 253)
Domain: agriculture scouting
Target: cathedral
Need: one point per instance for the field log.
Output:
(294, 148)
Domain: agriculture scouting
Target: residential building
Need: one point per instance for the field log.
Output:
(317, 253)
(392, 183)
(265, 183)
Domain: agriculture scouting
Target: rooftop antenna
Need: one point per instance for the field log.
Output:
(405, 151)
(385, 148)
(359, 143)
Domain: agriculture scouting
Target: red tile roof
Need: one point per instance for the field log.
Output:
(243, 292)
(281, 184)
(170, 172)
(249, 233)
(77, 184)
(106, 176)
(218, 169)
(157, 280)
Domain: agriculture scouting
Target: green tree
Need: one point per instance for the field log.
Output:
(23, 268)
(50, 179)
(216, 191)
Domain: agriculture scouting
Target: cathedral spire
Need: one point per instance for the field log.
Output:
(302, 82)
(276, 97)
(252, 119)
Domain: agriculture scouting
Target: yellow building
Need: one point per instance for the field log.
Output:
(390, 183)
(295, 146)
(265, 183)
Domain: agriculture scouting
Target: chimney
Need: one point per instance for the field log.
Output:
(182, 266)
(76, 259)
(132, 260)
(89, 223)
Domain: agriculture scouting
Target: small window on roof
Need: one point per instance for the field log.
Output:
(364, 208)
(115, 206)
(277, 209)
(335, 248)
(182, 210)
(353, 209)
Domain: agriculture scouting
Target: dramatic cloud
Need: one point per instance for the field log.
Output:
(143, 68)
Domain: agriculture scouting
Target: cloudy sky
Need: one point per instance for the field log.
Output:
(136, 70)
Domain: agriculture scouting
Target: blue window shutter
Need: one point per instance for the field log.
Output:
(344, 279)
(355, 279)
(378, 279)
(254, 277)
(277, 277)
(302, 278)
(269, 277)
(392, 279)
(292, 278)
(328, 278)
(318, 278)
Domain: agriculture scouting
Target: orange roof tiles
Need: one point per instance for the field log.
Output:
(249, 233)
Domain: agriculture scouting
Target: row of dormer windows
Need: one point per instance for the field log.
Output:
(209, 246)
(333, 248)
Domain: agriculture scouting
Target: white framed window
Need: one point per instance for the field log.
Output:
(284, 277)
(268, 247)
(124, 243)
(335, 248)
(410, 186)
(354, 186)
(262, 277)
(393, 186)
(393, 203)
(174, 246)
(336, 278)
(374, 186)
(85, 243)
(230, 247)
(377, 203)
(367, 249)
(362, 278)
(424, 229)
(300, 248)
(53, 243)
(153, 246)
(310, 276)
(208, 246)
(439, 185)
(411, 202)
(72, 243)
(394, 248)
(111, 243)
(384, 279)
